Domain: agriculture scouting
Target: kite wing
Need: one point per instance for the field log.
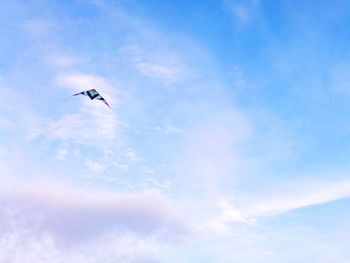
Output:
(93, 94)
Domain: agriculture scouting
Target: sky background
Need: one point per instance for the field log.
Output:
(228, 138)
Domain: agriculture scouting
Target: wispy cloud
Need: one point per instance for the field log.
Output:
(212, 153)
(277, 200)
(61, 153)
(93, 123)
(227, 217)
(95, 166)
(64, 60)
(300, 194)
(158, 71)
(243, 12)
(79, 81)
(158, 64)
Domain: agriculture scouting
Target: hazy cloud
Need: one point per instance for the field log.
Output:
(73, 214)
(243, 12)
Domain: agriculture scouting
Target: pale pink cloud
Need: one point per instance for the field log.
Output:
(72, 214)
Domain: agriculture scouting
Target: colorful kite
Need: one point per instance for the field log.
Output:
(93, 94)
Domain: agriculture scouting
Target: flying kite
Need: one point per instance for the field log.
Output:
(93, 94)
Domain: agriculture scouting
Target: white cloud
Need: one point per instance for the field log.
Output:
(228, 216)
(23, 247)
(74, 215)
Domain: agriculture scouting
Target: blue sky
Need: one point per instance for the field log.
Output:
(227, 140)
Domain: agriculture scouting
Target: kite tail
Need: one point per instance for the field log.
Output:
(105, 102)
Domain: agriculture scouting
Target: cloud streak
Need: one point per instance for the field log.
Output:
(300, 195)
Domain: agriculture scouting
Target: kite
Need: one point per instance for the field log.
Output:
(93, 94)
